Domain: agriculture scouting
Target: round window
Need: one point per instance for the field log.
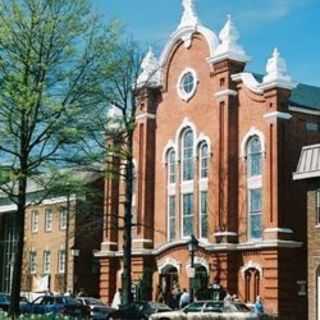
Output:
(187, 84)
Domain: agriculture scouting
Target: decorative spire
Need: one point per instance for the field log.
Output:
(189, 16)
(229, 47)
(277, 72)
(150, 75)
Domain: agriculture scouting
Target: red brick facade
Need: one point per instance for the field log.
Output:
(225, 113)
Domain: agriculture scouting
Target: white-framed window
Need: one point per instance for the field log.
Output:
(187, 84)
(254, 157)
(33, 262)
(318, 207)
(187, 155)
(171, 166)
(61, 261)
(204, 214)
(63, 218)
(34, 221)
(48, 220)
(46, 262)
(187, 220)
(254, 188)
(255, 213)
(204, 160)
(171, 217)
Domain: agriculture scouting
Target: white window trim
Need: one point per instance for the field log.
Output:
(250, 238)
(251, 133)
(183, 237)
(45, 253)
(46, 229)
(182, 155)
(200, 215)
(61, 270)
(63, 227)
(34, 214)
(168, 217)
(181, 93)
(34, 254)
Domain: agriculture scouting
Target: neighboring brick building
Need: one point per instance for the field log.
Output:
(309, 170)
(215, 148)
(61, 235)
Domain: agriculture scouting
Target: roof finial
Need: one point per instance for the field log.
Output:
(229, 47)
(189, 16)
(277, 72)
(150, 75)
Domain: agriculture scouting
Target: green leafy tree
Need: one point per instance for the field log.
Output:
(51, 56)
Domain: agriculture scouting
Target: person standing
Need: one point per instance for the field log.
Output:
(258, 306)
(185, 299)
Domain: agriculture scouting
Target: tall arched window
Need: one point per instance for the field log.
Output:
(187, 155)
(204, 160)
(254, 170)
(254, 155)
(171, 166)
(318, 293)
(252, 285)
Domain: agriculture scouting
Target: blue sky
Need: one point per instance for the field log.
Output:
(291, 25)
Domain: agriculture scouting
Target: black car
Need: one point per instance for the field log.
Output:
(138, 311)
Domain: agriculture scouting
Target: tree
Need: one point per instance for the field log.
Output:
(112, 133)
(51, 56)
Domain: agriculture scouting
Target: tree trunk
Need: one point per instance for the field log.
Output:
(127, 232)
(14, 309)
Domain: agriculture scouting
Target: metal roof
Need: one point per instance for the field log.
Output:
(309, 163)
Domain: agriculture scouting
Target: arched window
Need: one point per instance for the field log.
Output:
(204, 159)
(187, 155)
(252, 285)
(254, 169)
(254, 157)
(171, 217)
(171, 166)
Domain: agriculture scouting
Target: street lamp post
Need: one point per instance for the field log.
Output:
(192, 247)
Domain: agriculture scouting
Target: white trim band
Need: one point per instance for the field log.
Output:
(278, 115)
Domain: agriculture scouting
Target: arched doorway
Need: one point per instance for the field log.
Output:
(200, 282)
(169, 280)
(252, 284)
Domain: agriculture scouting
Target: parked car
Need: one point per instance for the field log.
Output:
(94, 308)
(209, 310)
(5, 302)
(138, 311)
(56, 305)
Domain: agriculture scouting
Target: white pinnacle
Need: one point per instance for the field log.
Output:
(229, 47)
(277, 72)
(150, 75)
(189, 16)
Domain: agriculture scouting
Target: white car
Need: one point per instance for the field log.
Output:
(209, 310)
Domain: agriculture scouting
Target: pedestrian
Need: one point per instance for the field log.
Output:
(258, 306)
(185, 299)
(117, 299)
(160, 295)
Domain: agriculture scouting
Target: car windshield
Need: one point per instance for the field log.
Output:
(194, 307)
(214, 307)
(159, 307)
(4, 299)
(242, 307)
(93, 301)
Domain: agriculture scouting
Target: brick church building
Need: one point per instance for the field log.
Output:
(215, 149)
